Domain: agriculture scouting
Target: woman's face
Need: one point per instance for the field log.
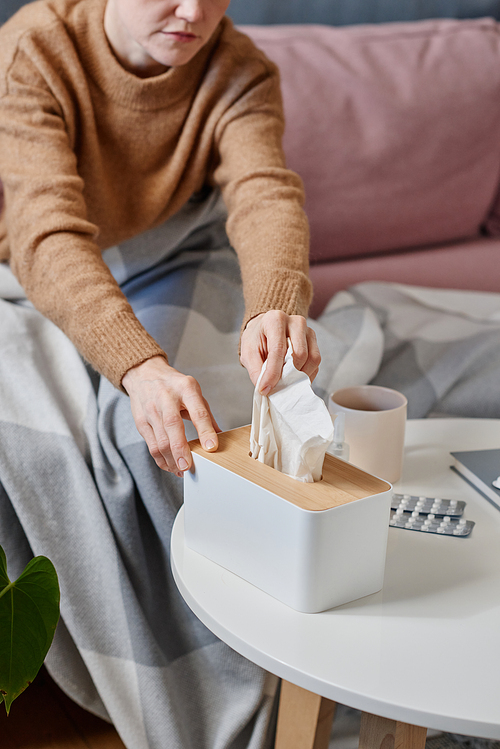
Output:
(150, 36)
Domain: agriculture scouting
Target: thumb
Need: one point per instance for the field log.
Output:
(255, 367)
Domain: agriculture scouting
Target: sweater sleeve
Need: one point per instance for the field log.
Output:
(52, 244)
(266, 222)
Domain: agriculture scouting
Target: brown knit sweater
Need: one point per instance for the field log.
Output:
(91, 155)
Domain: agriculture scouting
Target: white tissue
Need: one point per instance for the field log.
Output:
(291, 427)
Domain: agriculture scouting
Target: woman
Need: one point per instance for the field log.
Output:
(121, 125)
(112, 116)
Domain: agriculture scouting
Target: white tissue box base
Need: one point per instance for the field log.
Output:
(309, 560)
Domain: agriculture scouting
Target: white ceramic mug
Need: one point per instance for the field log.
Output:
(375, 419)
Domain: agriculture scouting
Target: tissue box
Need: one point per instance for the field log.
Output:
(311, 546)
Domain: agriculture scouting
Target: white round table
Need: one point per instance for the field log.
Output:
(425, 650)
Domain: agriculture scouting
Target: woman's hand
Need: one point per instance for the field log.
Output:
(160, 397)
(265, 337)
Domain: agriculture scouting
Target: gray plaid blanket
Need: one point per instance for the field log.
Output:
(77, 483)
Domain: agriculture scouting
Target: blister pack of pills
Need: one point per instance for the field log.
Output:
(429, 515)
(435, 505)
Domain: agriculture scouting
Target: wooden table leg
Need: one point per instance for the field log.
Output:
(383, 733)
(304, 719)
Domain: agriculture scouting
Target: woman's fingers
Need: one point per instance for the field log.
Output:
(266, 339)
(198, 411)
(313, 357)
(172, 440)
(253, 348)
(298, 334)
(275, 330)
(147, 433)
(162, 432)
(160, 398)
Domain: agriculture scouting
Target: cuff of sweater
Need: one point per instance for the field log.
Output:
(290, 292)
(119, 344)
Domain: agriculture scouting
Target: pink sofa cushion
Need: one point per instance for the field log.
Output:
(471, 264)
(395, 129)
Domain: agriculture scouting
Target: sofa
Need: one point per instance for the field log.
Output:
(395, 130)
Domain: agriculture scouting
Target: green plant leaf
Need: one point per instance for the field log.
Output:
(29, 612)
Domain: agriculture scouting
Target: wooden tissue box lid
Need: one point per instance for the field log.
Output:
(341, 482)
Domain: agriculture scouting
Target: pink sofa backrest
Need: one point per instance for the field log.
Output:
(394, 128)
